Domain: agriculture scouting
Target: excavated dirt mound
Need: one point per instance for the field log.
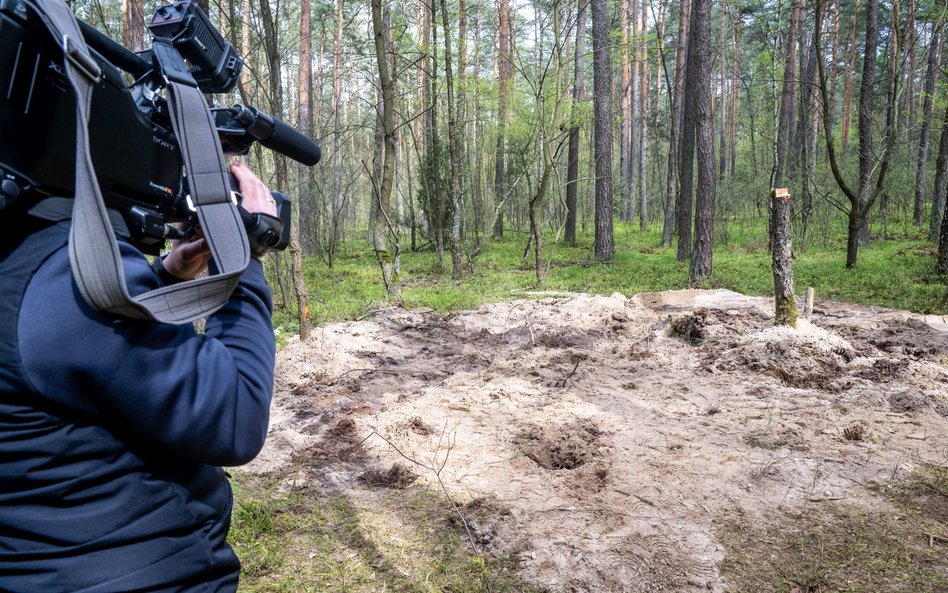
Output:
(596, 438)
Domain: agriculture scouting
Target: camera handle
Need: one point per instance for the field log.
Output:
(93, 250)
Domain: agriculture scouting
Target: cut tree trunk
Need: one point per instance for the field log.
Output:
(785, 305)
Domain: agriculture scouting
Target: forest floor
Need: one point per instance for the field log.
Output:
(673, 441)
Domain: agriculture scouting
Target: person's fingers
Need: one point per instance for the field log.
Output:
(256, 195)
(193, 249)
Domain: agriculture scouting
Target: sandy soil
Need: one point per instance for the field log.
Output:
(596, 438)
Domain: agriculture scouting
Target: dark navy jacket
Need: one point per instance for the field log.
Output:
(113, 431)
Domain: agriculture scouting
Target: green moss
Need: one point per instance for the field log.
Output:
(786, 311)
(832, 548)
(306, 541)
(896, 273)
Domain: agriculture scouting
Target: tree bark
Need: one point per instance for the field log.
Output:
(572, 167)
(133, 24)
(700, 94)
(453, 142)
(866, 105)
(934, 49)
(941, 183)
(642, 175)
(676, 124)
(786, 95)
(602, 88)
(337, 198)
(387, 261)
(857, 205)
(627, 98)
(687, 150)
(848, 84)
(504, 69)
(306, 124)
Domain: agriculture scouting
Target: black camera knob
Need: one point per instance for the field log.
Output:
(9, 190)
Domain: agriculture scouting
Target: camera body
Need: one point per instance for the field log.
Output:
(133, 146)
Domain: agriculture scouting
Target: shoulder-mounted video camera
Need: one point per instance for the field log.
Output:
(133, 145)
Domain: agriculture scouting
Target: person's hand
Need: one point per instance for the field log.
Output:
(256, 196)
(188, 257)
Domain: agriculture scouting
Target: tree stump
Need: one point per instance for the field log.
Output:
(785, 304)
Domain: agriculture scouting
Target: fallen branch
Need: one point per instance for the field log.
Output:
(823, 498)
(546, 293)
(569, 376)
(436, 468)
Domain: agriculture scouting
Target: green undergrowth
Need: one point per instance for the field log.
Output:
(302, 541)
(835, 547)
(897, 273)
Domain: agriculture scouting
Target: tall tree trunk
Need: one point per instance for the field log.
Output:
(504, 69)
(464, 168)
(642, 175)
(627, 97)
(434, 164)
(385, 259)
(941, 182)
(735, 91)
(272, 49)
(941, 264)
(807, 139)
(909, 41)
(699, 52)
(787, 94)
(934, 49)
(834, 68)
(453, 142)
(602, 88)
(687, 150)
(860, 199)
(133, 24)
(572, 168)
(306, 124)
(866, 104)
(722, 92)
(338, 203)
(676, 115)
(848, 84)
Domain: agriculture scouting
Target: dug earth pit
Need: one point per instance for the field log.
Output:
(597, 438)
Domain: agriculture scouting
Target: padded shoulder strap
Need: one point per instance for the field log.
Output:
(93, 250)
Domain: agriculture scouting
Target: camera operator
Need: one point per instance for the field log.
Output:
(113, 431)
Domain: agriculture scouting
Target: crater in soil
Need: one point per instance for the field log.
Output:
(596, 439)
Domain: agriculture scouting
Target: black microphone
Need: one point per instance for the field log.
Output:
(276, 135)
(294, 144)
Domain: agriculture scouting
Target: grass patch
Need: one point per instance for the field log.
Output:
(836, 548)
(304, 541)
(894, 273)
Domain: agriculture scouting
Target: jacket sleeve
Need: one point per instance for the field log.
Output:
(202, 396)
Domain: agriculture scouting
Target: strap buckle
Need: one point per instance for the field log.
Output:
(81, 61)
(234, 198)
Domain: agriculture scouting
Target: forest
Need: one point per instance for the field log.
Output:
(459, 407)
(449, 127)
